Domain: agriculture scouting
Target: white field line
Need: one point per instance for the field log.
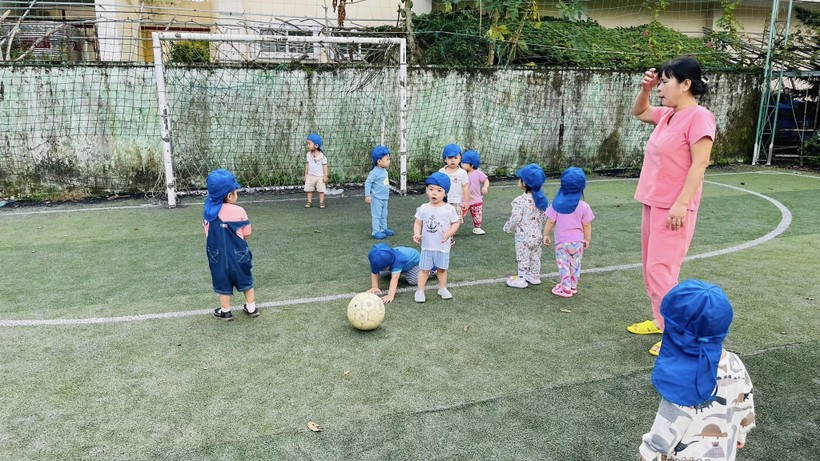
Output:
(509, 186)
(785, 221)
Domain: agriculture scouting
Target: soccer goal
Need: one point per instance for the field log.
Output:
(247, 102)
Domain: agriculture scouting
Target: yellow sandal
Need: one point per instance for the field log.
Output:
(644, 328)
(655, 349)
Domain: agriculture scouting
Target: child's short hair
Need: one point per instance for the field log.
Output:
(696, 316)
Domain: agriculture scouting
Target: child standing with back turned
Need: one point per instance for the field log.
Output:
(571, 218)
(316, 174)
(377, 191)
(526, 221)
(227, 228)
(707, 405)
(479, 185)
(436, 223)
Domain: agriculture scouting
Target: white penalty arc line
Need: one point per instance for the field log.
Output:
(785, 222)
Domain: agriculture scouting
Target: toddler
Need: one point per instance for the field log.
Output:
(377, 191)
(459, 194)
(227, 228)
(479, 184)
(707, 405)
(397, 261)
(316, 173)
(571, 218)
(436, 223)
(526, 221)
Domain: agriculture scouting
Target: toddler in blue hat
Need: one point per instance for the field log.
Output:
(436, 223)
(707, 405)
(526, 221)
(571, 218)
(459, 195)
(316, 172)
(227, 228)
(479, 185)
(377, 191)
(396, 261)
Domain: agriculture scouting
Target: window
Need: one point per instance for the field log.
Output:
(289, 50)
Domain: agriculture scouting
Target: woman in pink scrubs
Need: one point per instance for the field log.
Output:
(671, 181)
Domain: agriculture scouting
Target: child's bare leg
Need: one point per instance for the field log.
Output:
(321, 197)
(225, 302)
(423, 274)
(250, 303)
(441, 274)
(250, 297)
(419, 296)
(310, 197)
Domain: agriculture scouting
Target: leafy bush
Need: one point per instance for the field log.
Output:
(457, 40)
(190, 51)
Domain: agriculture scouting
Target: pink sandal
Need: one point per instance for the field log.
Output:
(558, 290)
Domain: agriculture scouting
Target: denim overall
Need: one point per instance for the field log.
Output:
(229, 257)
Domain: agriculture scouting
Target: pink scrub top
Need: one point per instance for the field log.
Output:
(668, 155)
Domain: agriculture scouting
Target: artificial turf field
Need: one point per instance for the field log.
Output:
(110, 352)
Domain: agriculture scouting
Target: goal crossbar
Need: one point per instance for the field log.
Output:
(165, 110)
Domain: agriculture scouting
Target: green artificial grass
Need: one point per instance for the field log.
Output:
(496, 373)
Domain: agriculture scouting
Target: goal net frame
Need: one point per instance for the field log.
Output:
(165, 115)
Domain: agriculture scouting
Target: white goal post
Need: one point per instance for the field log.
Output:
(318, 42)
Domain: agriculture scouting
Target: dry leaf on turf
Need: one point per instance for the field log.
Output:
(466, 327)
(314, 427)
(566, 311)
(346, 373)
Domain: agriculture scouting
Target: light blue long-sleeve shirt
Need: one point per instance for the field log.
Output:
(377, 185)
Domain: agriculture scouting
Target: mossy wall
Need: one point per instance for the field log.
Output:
(95, 130)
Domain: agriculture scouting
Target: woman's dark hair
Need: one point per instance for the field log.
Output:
(686, 68)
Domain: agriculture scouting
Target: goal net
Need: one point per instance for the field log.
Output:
(247, 102)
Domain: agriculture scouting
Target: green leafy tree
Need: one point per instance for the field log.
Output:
(571, 10)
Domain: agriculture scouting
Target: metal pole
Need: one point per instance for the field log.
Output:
(165, 122)
(780, 81)
(403, 115)
(766, 88)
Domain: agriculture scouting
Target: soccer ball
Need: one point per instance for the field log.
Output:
(365, 311)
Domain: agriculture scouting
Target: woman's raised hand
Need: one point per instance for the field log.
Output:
(650, 80)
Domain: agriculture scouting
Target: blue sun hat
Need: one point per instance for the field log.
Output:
(573, 182)
(696, 316)
(439, 179)
(378, 153)
(316, 139)
(472, 158)
(450, 150)
(381, 256)
(534, 177)
(221, 182)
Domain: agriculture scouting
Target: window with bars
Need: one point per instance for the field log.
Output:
(288, 50)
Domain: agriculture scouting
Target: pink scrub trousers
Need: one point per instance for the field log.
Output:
(662, 253)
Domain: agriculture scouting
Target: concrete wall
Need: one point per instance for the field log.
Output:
(96, 129)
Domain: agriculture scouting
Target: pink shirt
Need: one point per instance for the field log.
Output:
(668, 155)
(232, 213)
(570, 227)
(476, 179)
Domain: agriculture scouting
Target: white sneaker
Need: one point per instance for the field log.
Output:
(478, 231)
(533, 280)
(445, 293)
(419, 297)
(515, 282)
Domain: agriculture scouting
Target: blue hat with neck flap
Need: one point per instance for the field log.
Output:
(534, 177)
(696, 316)
(221, 182)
